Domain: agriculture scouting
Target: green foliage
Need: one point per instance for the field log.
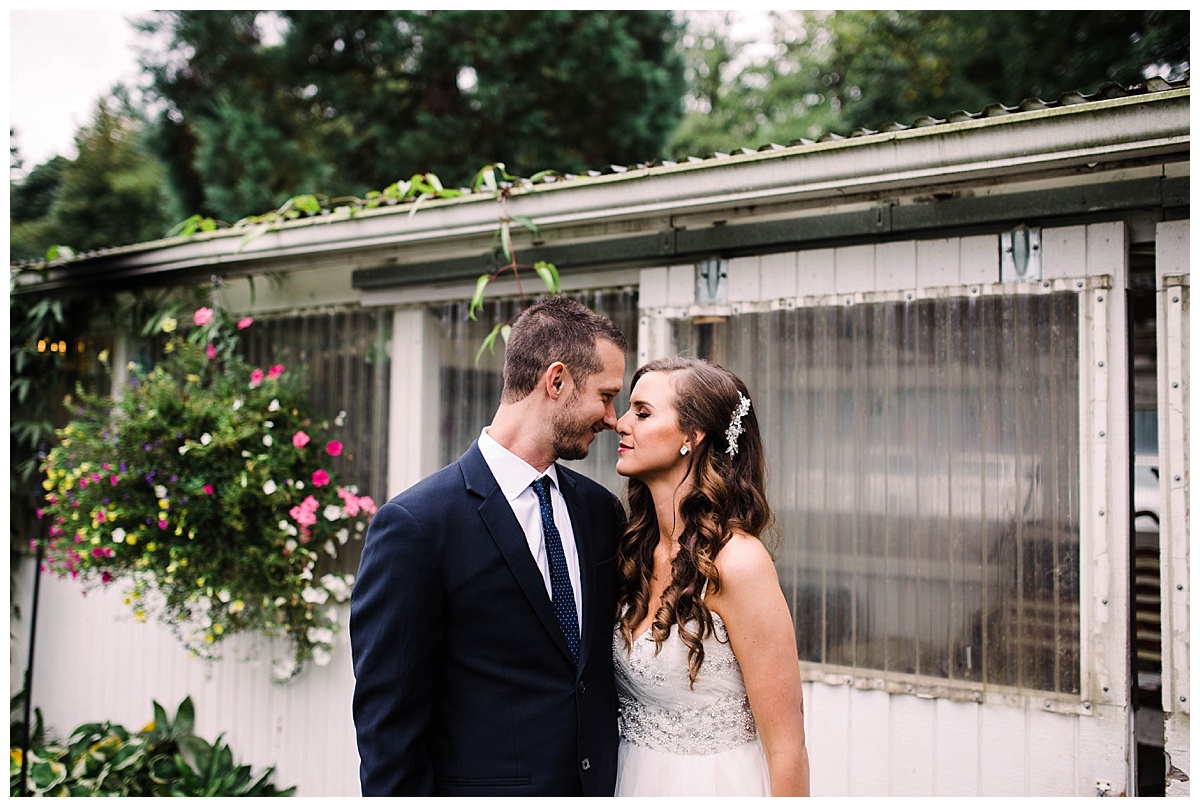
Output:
(835, 71)
(165, 758)
(206, 488)
(356, 97)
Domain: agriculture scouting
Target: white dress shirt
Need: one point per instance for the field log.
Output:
(515, 477)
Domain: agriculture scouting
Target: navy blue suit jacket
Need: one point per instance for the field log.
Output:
(464, 683)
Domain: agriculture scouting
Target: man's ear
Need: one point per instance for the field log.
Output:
(554, 378)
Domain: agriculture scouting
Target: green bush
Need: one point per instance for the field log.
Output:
(164, 759)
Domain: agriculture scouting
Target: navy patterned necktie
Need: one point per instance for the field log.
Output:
(560, 579)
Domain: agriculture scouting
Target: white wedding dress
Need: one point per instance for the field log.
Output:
(678, 740)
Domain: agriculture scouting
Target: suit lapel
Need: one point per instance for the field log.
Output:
(501, 524)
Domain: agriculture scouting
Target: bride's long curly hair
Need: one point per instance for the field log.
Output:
(727, 494)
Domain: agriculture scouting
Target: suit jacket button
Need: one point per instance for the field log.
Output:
(581, 688)
(586, 764)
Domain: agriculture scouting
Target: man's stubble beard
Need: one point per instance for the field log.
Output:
(567, 434)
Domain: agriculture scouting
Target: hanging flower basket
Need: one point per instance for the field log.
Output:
(208, 491)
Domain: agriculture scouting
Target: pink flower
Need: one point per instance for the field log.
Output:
(367, 504)
(256, 378)
(350, 504)
(208, 489)
(299, 439)
(245, 323)
(203, 316)
(162, 525)
(210, 351)
(320, 477)
(114, 479)
(305, 513)
(100, 516)
(106, 578)
(275, 371)
(334, 447)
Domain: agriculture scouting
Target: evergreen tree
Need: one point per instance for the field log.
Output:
(260, 106)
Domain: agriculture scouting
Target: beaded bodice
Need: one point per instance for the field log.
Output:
(658, 709)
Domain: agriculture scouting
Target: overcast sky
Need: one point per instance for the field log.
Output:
(60, 64)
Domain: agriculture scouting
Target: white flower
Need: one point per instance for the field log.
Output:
(315, 595)
(274, 407)
(331, 549)
(332, 615)
(290, 545)
(245, 481)
(332, 512)
(205, 438)
(340, 420)
(267, 440)
(183, 449)
(270, 424)
(223, 595)
(284, 669)
(237, 404)
(299, 485)
(118, 535)
(307, 573)
(320, 635)
(269, 487)
(343, 535)
(283, 525)
(359, 527)
(160, 491)
(321, 657)
(280, 600)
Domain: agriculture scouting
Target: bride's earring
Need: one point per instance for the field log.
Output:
(683, 451)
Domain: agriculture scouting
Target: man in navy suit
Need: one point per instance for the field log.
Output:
(482, 618)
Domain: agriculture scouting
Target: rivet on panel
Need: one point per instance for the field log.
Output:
(1178, 478)
(1101, 434)
(1100, 364)
(1100, 299)
(1104, 601)
(1101, 512)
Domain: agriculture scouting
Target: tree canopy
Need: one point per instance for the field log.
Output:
(262, 106)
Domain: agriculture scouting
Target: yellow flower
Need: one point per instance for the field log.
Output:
(169, 324)
(208, 638)
(14, 756)
(218, 629)
(149, 726)
(132, 539)
(48, 483)
(139, 615)
(192, 377)
(150, 547)
(236, 606)
(84, 467)
(163, 504)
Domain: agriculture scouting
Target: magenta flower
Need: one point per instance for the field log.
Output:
(208, 489)
(203, 316)
(256, 378)
(114, 479)
(300, 439)
(275, 371)
(320, 477)
(245, 323)
(162, 525)
(105, 577)
(334, 447)
(210, 351)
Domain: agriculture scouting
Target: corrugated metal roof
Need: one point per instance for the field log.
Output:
(1106, 92)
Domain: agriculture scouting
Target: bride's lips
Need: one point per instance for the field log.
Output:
(623, 447)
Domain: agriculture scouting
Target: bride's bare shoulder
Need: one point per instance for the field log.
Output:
(744, 560)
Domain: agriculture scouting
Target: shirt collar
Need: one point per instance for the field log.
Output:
(513, 474)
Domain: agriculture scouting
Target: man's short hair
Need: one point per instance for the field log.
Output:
(555, 329)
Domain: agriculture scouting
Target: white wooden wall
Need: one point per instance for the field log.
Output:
(1174, 352)
(94, 663)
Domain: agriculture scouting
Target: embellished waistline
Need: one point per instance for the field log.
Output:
(709, 729)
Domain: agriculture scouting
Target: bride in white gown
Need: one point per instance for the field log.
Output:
(708, 682)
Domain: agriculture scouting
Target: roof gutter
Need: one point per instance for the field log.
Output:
(379, 244)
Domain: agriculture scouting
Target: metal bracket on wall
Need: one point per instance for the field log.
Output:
(712, 281)
(1021, 255)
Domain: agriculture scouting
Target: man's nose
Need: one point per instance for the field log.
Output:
(610, 416)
